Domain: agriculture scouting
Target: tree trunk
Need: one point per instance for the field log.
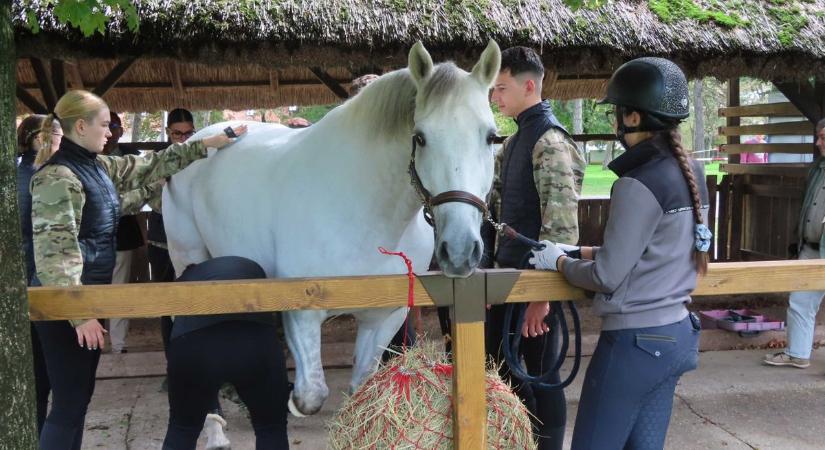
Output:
(578, 123)
(17, 409)
(137, 118)
(698, 120)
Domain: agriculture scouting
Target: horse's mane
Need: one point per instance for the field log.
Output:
(388, 103)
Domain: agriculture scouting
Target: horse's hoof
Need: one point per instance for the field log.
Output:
(294, 409)
(215, 437)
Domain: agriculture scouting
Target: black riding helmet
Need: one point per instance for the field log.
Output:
(655, 86)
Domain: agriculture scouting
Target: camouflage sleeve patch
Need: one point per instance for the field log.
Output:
(558, 171)
(132, 172)
(57, 204)
(132, 202)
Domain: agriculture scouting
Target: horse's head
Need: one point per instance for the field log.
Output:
(454, 131)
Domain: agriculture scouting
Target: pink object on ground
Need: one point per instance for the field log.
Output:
(716, 319)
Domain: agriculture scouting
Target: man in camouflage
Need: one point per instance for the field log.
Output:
(539, 175)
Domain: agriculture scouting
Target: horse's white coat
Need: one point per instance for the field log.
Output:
(319, 201)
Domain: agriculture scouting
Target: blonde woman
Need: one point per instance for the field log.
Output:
(75, 207)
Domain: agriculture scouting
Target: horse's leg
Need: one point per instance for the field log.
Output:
(376, 327)
(303, 336)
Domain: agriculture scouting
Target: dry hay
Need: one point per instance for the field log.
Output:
(407, 404)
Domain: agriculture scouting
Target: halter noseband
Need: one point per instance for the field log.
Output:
(445, 197)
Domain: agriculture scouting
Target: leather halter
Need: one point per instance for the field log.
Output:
(431, 201)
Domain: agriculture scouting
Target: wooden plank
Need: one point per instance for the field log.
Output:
(274, 80)
(469, 393)
(734, 99)
(797, 128)
(772, 190)
(165, 299)
(724, 219)
(731, 149)
(194, 298)
(795, 170)
(783, 109)
(113, 76)
(737, 215)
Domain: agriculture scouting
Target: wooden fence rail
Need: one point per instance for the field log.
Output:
(157, 299)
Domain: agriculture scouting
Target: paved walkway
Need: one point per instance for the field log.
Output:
(731, 402)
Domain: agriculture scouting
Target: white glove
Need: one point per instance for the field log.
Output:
(546, 259)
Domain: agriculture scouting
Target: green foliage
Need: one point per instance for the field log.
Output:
(89, 16)
(791, 21)
(312, 113)
(588, 4)
(675, 10)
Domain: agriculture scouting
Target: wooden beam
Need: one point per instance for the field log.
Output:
(194, 298)
(44, 82)
(113, 77)
(469, 373)
(803, 96)
(330, 82)
(274, 80)
(32, 103)
(165, 85)
(74, 75)
(58, 77)
(795, 170)
(734, 100)
(735, 149)
(174, 74)
(783, 109)
(798, 128)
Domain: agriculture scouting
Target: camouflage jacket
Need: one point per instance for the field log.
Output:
(558, 173)
(58, 199)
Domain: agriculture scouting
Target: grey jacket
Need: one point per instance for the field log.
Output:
(644, 273)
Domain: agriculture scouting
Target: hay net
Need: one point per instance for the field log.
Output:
(407, 404)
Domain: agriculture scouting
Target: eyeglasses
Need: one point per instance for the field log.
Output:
(181, 134)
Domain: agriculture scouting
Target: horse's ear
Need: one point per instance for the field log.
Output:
(487, 67)
(420, 63)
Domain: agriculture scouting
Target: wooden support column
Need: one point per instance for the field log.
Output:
(733, 100)
(469, 374)
(44, 82)
(58, 77)
(330, 82)
(113, 77)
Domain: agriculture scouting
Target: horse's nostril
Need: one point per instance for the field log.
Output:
(475, 257)
(443, 254)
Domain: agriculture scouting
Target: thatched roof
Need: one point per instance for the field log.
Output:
(763, 38)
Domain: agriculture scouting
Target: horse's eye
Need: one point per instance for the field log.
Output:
(419, 139)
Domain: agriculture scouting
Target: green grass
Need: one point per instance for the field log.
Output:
(597, 182)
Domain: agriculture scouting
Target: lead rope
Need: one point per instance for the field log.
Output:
(410, 287)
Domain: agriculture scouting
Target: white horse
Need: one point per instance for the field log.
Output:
(319, 201)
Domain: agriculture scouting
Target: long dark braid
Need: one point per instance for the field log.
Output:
(701, 258)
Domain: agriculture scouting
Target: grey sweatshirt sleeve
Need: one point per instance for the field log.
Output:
(634, 215)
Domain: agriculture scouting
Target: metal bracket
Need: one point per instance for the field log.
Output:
(499, 284)
(469, 296)
(439, 287)
(470, 304)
